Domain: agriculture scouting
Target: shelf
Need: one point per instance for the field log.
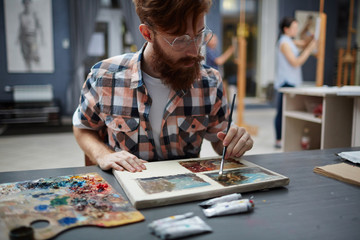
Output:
(303, 116)
(10, 113)
(25, 120)
(24, 111)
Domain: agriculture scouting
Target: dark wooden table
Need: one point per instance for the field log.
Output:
(310, 207)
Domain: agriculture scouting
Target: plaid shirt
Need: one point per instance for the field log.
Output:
(114, 99)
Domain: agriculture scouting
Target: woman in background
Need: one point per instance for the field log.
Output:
(289, 61)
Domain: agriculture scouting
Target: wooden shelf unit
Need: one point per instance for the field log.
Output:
(331, 130)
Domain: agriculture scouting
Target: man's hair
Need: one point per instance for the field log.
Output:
(169, 15)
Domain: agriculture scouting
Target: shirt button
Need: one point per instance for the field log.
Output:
(120, 126)
(193, 126)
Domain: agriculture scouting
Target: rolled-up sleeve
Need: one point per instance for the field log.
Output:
(87, 115)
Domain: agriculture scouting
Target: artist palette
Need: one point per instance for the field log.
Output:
(61, 203)
(176, 181)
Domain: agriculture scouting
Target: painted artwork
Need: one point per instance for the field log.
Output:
(308, 24)
(210, 165)
(177, 181)
(29, 36)
(243, 176)
(62, 203)
(171, 183)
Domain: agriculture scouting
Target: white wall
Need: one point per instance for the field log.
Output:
(268, 33)
(113, 18)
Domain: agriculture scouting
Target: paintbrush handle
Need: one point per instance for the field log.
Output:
(228, 127)
(231, 112)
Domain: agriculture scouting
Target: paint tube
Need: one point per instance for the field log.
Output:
(182, 228)
(226, 208)
(155, 224)
(226, 198)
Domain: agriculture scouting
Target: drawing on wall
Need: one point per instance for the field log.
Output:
(171, 183)
(64, 202)
(29, 36)
(177, 181)
(242, 176)
(210, 165)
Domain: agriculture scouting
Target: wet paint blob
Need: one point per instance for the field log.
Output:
(59, 201)
(41, 207)
(102, 187)
(67, 221)
(38, 195)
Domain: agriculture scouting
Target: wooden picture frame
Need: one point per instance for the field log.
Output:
(177, 181)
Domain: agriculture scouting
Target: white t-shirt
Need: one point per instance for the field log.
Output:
(159, 94)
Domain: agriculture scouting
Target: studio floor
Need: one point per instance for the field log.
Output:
(40, 147)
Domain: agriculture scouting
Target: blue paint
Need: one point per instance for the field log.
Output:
(41, 194)
(116, 195)
(41, 208)
(67, 221)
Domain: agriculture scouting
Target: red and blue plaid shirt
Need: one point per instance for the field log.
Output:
(114, 99)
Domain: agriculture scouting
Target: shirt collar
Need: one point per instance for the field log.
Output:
(136, 76)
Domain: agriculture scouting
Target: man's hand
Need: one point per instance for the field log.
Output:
(237, 140)
(121, 161)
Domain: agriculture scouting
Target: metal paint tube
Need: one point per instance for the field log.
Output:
(182, 228)
(226, 198)
(226, 208)
(157, 223)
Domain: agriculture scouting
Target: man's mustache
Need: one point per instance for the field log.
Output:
(189, 60)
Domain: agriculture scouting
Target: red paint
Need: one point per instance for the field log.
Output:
(102, 186)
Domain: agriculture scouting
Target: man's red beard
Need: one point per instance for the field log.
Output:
(173, 73)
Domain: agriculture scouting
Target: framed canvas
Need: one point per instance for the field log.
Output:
(29, 36)
(177, 181)
(308, 24)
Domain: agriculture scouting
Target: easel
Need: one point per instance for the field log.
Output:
(321, 47)
(241, 72)
(347, 60)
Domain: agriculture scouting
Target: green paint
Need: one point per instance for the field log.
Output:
(59, 201)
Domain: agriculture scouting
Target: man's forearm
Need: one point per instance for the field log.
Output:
(90, 142)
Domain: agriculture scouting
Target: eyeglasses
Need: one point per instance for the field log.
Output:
(183, 42)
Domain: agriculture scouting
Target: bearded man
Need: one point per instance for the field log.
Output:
(160, 102)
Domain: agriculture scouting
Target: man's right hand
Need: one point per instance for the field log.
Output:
(121, 161)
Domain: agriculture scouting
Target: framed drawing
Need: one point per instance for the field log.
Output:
(170, 182)
(29, 36)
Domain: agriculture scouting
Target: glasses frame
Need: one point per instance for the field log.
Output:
(190, 40)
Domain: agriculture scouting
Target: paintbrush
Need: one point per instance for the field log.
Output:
(221, 177)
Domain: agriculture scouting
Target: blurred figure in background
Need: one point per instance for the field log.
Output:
(216, 60)
(289, 60)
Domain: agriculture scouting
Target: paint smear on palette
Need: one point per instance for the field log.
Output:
(64, 202)
(210, 165)
(243, 176)
(171, 183)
